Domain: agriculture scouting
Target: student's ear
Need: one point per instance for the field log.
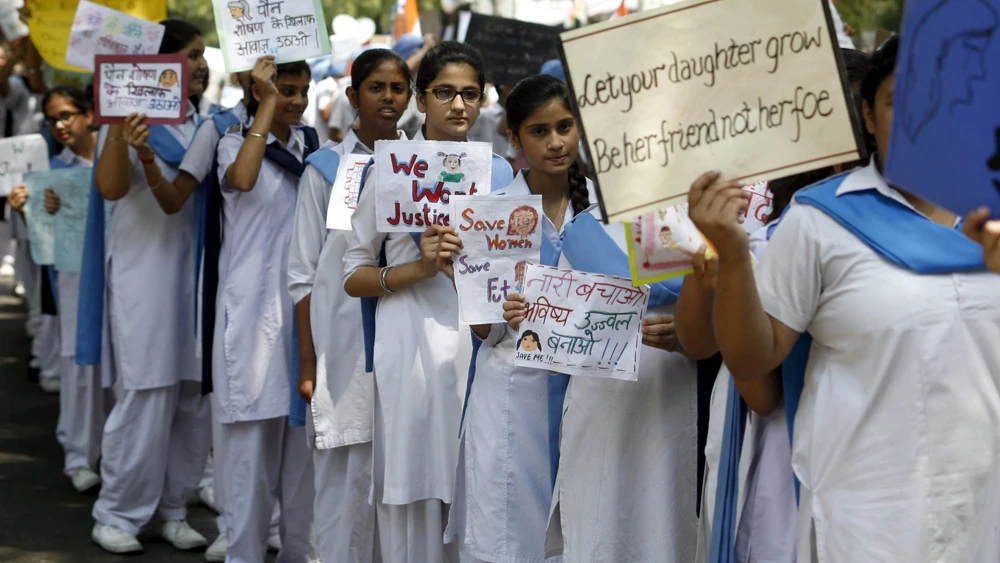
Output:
(255, 91)
(352, 96)
(869, 114)
(422, 102)
(513, 139)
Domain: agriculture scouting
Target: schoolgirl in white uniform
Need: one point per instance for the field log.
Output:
(332, 376)
(421, 357)
(263, 460)
(624, 483)
(895, 441)
(157, 437)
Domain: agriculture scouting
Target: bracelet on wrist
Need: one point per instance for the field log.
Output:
(149, 160)
(381, 279)
(113, 139)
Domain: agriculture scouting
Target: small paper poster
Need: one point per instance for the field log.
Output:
(579, 323)
(500, 236)
(156, 85)
(291, 30)
(344, 196)
(98, 30)
(72, 185)
(759, 207)
(24, 153)
(41, 231)
(663, 244)
(414, 181)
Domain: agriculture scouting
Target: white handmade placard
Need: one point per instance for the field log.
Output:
(24, 153)
(291, 30)
(500, 236)
(759, 207)
(663, 244)
(155, 85)
(749, 87)
(99, 30)
(414, 181)
(347, 188)
(580, 323)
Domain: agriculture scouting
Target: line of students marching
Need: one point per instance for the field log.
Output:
(350, 408)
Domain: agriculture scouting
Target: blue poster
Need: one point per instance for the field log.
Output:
(73, 188)
(40, 223)
(945, 142)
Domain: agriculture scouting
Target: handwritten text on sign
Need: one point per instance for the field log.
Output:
(752, 88)
(500, 236)
(102, 31)
(40, 224)
(72, 185)
(155, 85)
(347, 188)
(19, 155)
(291, 30)
(416, 179)
(581, 324)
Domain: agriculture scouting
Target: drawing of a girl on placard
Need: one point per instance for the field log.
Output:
(240, 10)
(529, 341)
(667, 242)
(519, 269)
(168, 79)
(522, 222)
(452, 167)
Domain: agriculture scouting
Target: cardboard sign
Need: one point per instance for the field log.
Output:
(25, 153)
(751, 88)
(102, 31)
(581, 324)
(291, 30)
(414, 181)
(512, 49)
(945, 143)
(500, 236)
(40, 223)
(156, 85)
(663, 245)
(344, 196)
(72, 185)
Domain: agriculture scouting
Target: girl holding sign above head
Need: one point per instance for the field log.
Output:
(604, 436)
(332, 376)
(419, 355)
(140, 289)
(262, 459)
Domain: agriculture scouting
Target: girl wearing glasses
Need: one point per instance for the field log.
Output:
(332, 375)
(420, 356)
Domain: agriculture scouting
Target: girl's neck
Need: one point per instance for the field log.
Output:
(281, 131)
(85, 147)
(368, 134)
(434, 134)
(555, 196)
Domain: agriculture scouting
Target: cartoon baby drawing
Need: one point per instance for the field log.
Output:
(453, 166)
(523, 221)
(240, 10)
(529, 342)
(667, 241)
(168, 78)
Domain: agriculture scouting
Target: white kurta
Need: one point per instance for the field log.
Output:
(897, 442)
(253, 329)
(626, 484)
(150, 281)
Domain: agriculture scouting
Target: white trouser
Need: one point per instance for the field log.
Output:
(266, 462)
(81, 415)
(345, 521)
(412, 533)
(47, 348)
(154, 449)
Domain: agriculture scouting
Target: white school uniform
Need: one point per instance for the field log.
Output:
(251, 359)
(341, 413)
(626, 484)
(156, 438)
(896, 440)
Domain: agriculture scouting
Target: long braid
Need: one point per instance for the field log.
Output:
(579, 196)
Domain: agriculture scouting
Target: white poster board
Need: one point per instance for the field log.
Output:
(72, 185)
(581, 324)
(98, 30)
(291, 30)
(748, 87)
(414, 181)
(500, 236)
(41, 225)
(347, 188)
(155, 85)
(18, 155)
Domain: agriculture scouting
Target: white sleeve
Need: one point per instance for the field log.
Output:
(365, 242)
(308, 233)
(229, 148)
(789, 279)
(497, 332)
(198, 159)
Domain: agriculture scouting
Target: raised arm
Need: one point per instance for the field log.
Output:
(243, 173)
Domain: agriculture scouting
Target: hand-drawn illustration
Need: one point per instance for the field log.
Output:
(453, 165)
(291, 30)
(529, 342)
(523, 221)
(240, 10)
(152, 84)
(956, 35)
(519, 276)
(346, 190)
(168, 78)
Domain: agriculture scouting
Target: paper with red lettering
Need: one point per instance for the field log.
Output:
(347, 188)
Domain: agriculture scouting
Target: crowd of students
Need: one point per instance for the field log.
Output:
(350, 418)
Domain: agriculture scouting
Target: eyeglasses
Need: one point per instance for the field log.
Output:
(448, 94)
(65, 118)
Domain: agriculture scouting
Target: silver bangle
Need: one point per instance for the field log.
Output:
(252, 134)
(381, 279)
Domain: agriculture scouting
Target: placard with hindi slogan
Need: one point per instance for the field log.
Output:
(291, 30)
(156, 85)
(752, 88)
(580, 323)
(98, 30)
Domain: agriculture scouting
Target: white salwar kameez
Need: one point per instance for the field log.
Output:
(156, 438)
(897, 442)
(264, 461)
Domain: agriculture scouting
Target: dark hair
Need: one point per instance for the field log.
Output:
(883, 64)
(297, 68)
(533, 334)
(83, 99)
(178, 33)
(369, 61)
(526, 98)
(449, 52)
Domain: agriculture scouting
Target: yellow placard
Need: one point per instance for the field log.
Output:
(51, 21)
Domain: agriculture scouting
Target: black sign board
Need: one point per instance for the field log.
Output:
(513, 49)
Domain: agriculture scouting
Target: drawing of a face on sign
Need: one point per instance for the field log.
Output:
(519, 275)
(529, 342)
(523, 222)
(452, 167)
(240, 10)
(168, 78)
